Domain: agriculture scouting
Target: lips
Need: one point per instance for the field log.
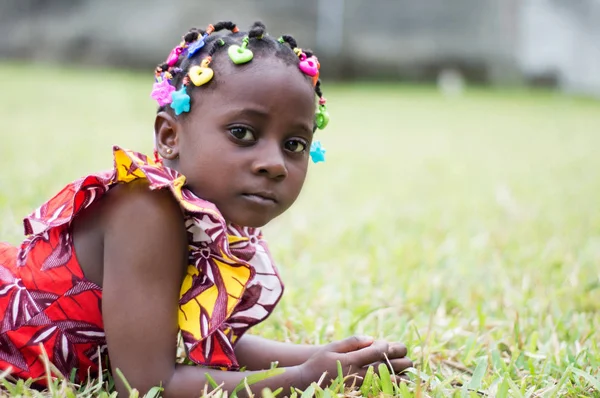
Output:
(262, 198)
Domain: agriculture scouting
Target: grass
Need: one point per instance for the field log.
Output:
(467, 228)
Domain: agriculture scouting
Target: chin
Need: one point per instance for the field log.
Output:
(257, 221)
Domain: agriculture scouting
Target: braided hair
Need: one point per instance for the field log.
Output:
(189, 64)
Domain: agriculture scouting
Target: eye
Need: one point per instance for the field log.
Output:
(242, 133)
(296, 146)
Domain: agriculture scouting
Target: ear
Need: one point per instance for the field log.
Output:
(167, 130)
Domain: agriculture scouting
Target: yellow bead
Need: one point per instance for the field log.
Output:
(200, 75)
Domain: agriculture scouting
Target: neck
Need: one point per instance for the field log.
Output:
(172, 163)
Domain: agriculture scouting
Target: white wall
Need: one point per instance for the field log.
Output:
(562, 37)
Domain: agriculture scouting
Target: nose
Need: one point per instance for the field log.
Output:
(270, 161)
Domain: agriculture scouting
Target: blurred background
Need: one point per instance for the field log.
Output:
(552, 43)
(457, 210)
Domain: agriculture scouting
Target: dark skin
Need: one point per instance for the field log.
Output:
(244, 146)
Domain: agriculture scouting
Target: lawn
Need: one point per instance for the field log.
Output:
(467, 228)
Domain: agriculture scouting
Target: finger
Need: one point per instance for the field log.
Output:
(398, 364)
(397, 350)
(374, 353)
(350, 344)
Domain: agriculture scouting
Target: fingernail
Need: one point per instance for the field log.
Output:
(367, 339)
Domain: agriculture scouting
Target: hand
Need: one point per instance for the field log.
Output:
(396, 357)
(355, 355)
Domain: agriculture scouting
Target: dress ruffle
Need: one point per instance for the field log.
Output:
(231, 282)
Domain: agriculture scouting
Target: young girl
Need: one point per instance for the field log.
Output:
(130, 261)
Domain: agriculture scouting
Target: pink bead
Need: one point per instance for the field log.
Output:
(161, 92)
(308, 65)
(174, 56)
(322, 101)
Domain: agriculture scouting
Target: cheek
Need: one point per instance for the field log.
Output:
(203, 165)
(297, 176)
(202, 150)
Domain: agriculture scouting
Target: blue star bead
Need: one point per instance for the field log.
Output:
(317, 152)
(195, 47)
(181, 101)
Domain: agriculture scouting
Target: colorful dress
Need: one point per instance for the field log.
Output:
(48, 307)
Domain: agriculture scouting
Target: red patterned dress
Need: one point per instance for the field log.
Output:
(48, 307)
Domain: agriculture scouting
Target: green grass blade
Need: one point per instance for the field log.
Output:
(386, 379)
(503, 389)
(594, 382)
(154, 392)
(211, 381)
(257, 377)
(475, 382)
(123, 380)
(516, 391)
(367, 384)
(554, 391)
(404, 391)
(309, 392)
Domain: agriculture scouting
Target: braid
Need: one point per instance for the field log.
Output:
(193, 35)
(216, 45)
(318, 89)
(257, 30)
(225, 25)
(322, 117)
(289, 40)
(190, 62)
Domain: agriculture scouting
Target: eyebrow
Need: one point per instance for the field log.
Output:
(262, 114)
(250, 112)
(304, 127)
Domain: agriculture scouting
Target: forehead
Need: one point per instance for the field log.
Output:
(267, 83)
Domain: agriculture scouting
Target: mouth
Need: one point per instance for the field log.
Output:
(262, 198)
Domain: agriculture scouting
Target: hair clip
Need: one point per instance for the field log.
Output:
(197, 45)
(308, 66)
(322, 116)
(181, 101)
(202, 74)
(315, 78)
(174, 55)
(161, 92)
(317, 152)
(240, 54)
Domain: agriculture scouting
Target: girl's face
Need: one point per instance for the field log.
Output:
(245, 144)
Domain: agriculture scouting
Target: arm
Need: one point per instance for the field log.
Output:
(145, 257)
(257, 353)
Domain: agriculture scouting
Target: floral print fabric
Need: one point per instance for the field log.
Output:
(46, 303)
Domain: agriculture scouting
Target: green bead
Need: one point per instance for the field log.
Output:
(239, 55)
(322, 117)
